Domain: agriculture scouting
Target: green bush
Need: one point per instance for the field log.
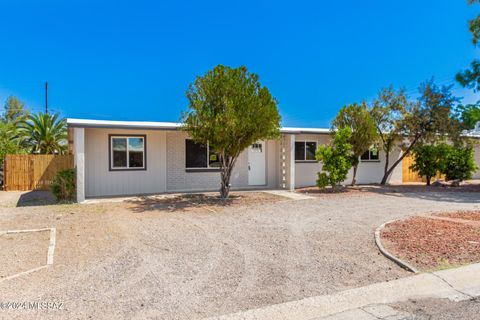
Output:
(336, 158)
(458, 163)
(63, 186)
(428, 160)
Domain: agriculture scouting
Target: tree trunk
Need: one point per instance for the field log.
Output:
(428, 180)
(395, 164)
(354, 177)
(387, 163)
(225, 182)
(227, 166)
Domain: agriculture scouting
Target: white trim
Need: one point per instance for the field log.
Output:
(127, 151)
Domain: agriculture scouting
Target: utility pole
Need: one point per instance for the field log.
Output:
(46, 97)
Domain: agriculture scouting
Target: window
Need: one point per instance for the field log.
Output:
(305, 150)
(127, 152)
(198, 155)
(371, 154)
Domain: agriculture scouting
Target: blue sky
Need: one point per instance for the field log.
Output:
(134, 60)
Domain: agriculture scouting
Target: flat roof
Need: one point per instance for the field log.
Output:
(151, 125)
(89, 123)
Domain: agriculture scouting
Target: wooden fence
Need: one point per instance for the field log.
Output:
(33, 171)
(409, 176)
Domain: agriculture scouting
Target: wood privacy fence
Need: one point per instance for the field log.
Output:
(33, 171)
(409, 176)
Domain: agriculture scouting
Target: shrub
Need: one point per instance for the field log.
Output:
(63, 186)
(459, 163)
(336, 158)
(428, 160)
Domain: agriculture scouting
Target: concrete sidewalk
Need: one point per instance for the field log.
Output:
(369, 302)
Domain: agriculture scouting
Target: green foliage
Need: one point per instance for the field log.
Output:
(388, 112)
(45, 133)
(15, 111)
(428, 160)
(63, 186)
(459, 163)
(10, 141)
(336, 159)
(230, 109)
(470, 78)
(358, 119)
(468, 115)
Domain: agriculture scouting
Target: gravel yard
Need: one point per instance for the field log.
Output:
(435, 242)
(153, 259)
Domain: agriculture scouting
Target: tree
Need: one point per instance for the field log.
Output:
(428, 160)
(427, 120)
(45, 133)
(10, 141)
(15, 111)
(470, 78)
(230, 110)
(459, 162)
(469, 115)
(388, 112)
(358, 119)
(336, 159)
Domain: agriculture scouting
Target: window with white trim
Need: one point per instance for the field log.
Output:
(305, 150)
(371, 154)
(127, 152)
(200, 156)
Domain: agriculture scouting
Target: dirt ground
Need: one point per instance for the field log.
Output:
(435, 242)
(189, 258)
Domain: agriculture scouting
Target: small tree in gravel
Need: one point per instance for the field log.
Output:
(358, 119)
(336, 160)
(428, 160)
(459, 163)
(230, 110)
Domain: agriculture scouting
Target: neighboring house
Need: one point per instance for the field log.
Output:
(115, 158)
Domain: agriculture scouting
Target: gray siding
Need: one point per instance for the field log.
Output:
(99, 181)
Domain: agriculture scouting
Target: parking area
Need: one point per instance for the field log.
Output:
(184, 259)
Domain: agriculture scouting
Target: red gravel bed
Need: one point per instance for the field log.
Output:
(432, 244)
(466, 215)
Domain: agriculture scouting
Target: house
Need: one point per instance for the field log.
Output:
(116, 158)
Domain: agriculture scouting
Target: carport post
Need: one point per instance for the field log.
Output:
(79, 161)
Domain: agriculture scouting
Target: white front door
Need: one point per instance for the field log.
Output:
(256, 164)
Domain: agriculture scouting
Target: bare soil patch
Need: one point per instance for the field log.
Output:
(209, 201)
(434, 244)
(22, 251)
(375, 189)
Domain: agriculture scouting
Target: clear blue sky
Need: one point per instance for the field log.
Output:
(134, 60)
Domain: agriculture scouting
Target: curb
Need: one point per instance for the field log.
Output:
(387, 254)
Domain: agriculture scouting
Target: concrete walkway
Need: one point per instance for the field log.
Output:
(370, 302)
(289, 194)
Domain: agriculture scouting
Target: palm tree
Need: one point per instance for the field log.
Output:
(45, 133)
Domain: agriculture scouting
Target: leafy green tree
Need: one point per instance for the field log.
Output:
(470, 78)
(427, 120)
(388, 112)
(336, 159)
(230, 110)
(428, 160)
(364, 134)
(14, 111)
(45, 133)
(10, 141)
(469, 115)
(459, 162)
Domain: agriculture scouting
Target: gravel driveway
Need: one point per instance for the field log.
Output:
(131, 260)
